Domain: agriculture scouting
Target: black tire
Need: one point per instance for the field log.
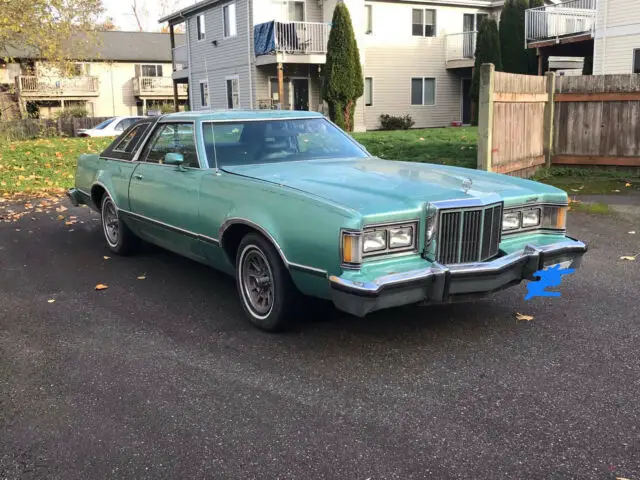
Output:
(278, 314)
(120, 239)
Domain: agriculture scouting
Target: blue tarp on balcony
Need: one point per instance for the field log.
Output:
(264, 39)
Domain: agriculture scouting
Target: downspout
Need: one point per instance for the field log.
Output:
(188, 32)
(604, 35)
(113, 92)
(249, 30)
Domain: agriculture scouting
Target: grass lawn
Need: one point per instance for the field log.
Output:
(447, 146)
(43, 166)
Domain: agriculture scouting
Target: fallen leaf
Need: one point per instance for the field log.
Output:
(61, 208)
(101, 286)
(520, 316)
(617, 191)
(632, 232)
(60, 217)
(142, 277)
(628, 257)
(51, 300)
(580, 187)
(17, 229)
(627, 184)
(574, 190)
(106, 258)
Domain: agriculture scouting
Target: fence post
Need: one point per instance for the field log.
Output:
(485, 116)
(548, 118)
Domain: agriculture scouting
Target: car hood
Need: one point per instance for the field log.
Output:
(373, 185)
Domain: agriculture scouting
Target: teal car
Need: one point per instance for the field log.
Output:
(292, 207)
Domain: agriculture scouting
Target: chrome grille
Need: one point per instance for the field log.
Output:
(469, 235)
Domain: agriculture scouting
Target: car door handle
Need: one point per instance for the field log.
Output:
(137, 176)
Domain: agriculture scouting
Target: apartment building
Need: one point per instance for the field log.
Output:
(417, 55)
(607, 29)
(126, 73)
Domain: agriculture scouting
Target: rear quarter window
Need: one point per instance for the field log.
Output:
(126, 145)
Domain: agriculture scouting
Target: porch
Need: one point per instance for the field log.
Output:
(289, 87)
(460, 49)
(291, 42)
(567, 22)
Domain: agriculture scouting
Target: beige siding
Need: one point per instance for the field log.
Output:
(618, 56)
(394, 56)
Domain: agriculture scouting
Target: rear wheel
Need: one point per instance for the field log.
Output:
(267, 293)
(119, 238)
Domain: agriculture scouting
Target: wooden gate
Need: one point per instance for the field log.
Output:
(514, 121)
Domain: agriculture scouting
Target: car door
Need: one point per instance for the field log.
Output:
(164, 198)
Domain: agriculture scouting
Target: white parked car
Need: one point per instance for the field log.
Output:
(109, 128)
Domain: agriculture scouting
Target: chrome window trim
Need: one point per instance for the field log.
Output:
(161, 124)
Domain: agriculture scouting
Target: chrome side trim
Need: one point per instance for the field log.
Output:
(415, 276)
(296, 266)
(189, 233)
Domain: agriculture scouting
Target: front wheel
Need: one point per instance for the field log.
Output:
(267, 293)
(119, 238)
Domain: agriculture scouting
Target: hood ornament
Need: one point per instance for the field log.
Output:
(466, 184)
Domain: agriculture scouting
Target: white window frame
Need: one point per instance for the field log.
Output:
(201, 28)
(226, 90)
(435, 92)
(233, 26)
(203, 98)
(368, 19)
(424, 25)
(635, 67)
(284, 9)
(154, 65)
(365, 91)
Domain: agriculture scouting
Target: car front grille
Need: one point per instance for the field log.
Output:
(469, 235)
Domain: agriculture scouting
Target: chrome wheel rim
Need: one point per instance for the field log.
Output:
(110, 222)
(257, 282)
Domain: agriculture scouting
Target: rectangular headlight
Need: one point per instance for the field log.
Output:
(374, 241)
(510, 221)
(531, 218)
(401, 237)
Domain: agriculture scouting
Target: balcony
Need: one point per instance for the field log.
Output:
(57, 87)
(565, 22)
(180, 62)
(294, 42)
(460, 49)
(150, 87)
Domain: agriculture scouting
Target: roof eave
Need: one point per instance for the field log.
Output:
(185, 11)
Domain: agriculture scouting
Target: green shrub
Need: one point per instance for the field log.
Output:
(389, 122)
(73, 112)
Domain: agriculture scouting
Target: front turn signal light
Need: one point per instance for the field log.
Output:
(351, 248)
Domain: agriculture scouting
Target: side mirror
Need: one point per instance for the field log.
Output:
(174, 159)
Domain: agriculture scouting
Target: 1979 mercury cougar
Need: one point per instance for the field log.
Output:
(291, 205)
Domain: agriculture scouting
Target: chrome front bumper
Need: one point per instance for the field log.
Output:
(441, 284)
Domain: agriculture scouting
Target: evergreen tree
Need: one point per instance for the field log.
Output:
(344, 83)
(515, 58)
(487, 51)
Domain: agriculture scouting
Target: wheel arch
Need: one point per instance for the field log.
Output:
(234, 230)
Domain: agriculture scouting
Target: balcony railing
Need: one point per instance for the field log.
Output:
(460, 46)
(303, 38)
(33, 86)
(180, 58)
(156, 87)
(561, 20)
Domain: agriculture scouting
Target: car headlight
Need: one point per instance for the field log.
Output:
(374, 241)
(531, 218)
(400, 237)
(510, 221)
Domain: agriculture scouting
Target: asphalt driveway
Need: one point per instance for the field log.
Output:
(161, 377)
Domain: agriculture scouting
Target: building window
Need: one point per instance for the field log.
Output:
(423, 91)
(233, 96)
(201, 28)
(148, 70)
(368, 91)
(204, 93)
(80, 69)
(424, 22)
(636, 60)
(229, 20)
(368, 19)
(289, 10)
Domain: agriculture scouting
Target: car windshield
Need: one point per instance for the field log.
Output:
(104, 124)
(270, 141)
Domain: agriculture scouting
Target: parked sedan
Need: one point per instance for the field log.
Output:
(292, 206)
(109, 128)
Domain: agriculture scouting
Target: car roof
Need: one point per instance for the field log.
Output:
(231, 115)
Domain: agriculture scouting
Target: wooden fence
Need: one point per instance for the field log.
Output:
(514, 121)
(34, 128)
(525, 121)
(597, 120)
